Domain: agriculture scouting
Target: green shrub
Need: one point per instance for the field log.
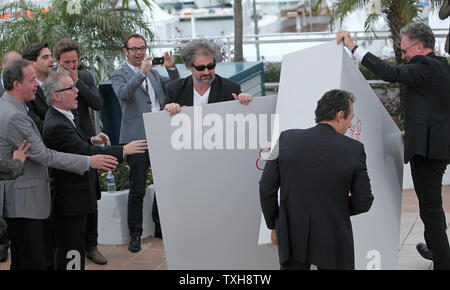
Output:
(121, 177)
(272, 71)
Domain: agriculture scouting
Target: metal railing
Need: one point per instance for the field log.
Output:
(290, 37)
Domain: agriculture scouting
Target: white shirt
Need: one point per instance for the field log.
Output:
(68, 114)
(147, 86)
(199, 99)
(360, 53)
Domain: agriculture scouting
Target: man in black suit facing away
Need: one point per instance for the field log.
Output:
(66, 53)
(426, 83)
(75, 195)
(316, 169)
(204, 86)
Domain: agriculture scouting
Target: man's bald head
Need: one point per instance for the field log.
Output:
(10, 56)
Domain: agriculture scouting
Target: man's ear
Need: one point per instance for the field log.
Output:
(340, 116)
(16, 84)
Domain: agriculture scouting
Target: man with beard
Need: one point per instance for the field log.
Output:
(41, 57)
(204, 86)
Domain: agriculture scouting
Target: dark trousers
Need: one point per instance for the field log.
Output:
(139, 164)
(4, 243)
(294, 265)
(427, 177)
(27, 243)
(91, 230)
(70, 233)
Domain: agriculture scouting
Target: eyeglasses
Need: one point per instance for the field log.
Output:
(68, 88)
(135, 49)
(404, 50)
(202, 67)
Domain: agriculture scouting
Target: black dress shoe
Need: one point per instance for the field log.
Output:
(135, 244)
(424, 251)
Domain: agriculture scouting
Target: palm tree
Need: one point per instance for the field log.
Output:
(398, 13)
(238, 31)
(100, 28)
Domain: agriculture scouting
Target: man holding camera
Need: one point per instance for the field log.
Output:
(139, 90)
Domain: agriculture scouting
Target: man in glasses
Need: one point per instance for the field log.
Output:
(67, 55)
(426, 81)
(139, 89)
(75, 200)
(204, 86)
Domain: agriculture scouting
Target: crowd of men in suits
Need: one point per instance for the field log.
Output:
(311, 223)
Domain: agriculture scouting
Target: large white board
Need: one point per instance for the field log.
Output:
(208, 199)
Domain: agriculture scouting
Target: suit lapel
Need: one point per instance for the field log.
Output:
(213, 93)
(67, 121)
(190, 92)
(40, 94)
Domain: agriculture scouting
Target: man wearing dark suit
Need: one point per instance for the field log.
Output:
(27, 200)
(75, 195)
(426, 83)
(316, 169)
(139, 90)
(41, 57)
(4, 239)
(67, 54)
(204, 86)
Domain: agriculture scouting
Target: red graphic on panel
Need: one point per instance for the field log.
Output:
(261, 159)
(355, 129)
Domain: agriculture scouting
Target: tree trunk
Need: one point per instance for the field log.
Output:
(395, 23)
(238, 31)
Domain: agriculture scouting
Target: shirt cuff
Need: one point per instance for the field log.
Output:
(88, 162)
(360, 53)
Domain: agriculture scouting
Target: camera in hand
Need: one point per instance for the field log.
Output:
(158, 60)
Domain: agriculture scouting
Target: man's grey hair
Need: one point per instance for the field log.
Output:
(52, 84)
(14, 72)
(199, 47)
(417, 31)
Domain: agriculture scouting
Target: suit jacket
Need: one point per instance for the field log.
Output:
(134, 100)
(88, 96)
(39, 105)
(10, 169)
(315, 170)
(444, 12)
(74, 194)
(426, 87)
(182, 91)
(28, 196)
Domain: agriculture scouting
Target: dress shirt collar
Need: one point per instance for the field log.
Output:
(68, 114)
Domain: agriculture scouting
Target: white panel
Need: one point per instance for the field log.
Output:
(208, 200)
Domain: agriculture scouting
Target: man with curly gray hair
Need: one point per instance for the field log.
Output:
(204, 86)
(426, 82)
